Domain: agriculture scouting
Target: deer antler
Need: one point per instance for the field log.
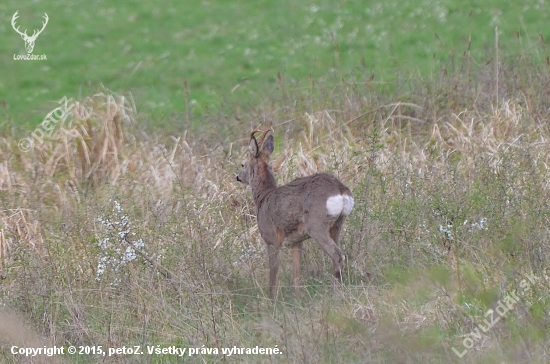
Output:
(257, 130)
(262, 137)
(13, 19)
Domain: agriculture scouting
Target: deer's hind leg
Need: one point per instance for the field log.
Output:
(331, 249)
(334, 233)
(325, 230)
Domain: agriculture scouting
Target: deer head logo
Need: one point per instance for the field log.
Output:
(29, 41)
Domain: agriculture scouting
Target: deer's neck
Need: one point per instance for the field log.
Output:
(262, 185)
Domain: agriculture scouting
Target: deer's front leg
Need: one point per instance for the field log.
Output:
(273, 249)
(273, 258)
(296, 258)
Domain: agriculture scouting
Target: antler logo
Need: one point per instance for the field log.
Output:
(29, 41)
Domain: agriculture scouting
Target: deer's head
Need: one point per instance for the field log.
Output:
(257, 159)
(29, 40)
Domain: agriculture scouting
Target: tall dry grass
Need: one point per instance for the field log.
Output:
(111, 236)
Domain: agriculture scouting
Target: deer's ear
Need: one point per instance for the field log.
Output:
(253, 147)
(267, 147)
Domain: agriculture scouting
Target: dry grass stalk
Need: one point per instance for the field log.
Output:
(18, 228)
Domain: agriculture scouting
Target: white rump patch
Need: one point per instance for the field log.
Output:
(348, 204)
(339, 204)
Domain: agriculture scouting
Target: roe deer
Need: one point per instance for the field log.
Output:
(309, 207)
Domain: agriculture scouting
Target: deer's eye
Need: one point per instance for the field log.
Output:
(242, 165)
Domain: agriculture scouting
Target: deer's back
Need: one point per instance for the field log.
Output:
(318, 184)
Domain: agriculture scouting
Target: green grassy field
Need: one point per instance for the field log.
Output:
(235, 50)
(126, 226)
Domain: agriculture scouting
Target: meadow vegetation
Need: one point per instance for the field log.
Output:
(115, 236)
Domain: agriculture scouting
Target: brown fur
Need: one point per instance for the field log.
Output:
(292, 213)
